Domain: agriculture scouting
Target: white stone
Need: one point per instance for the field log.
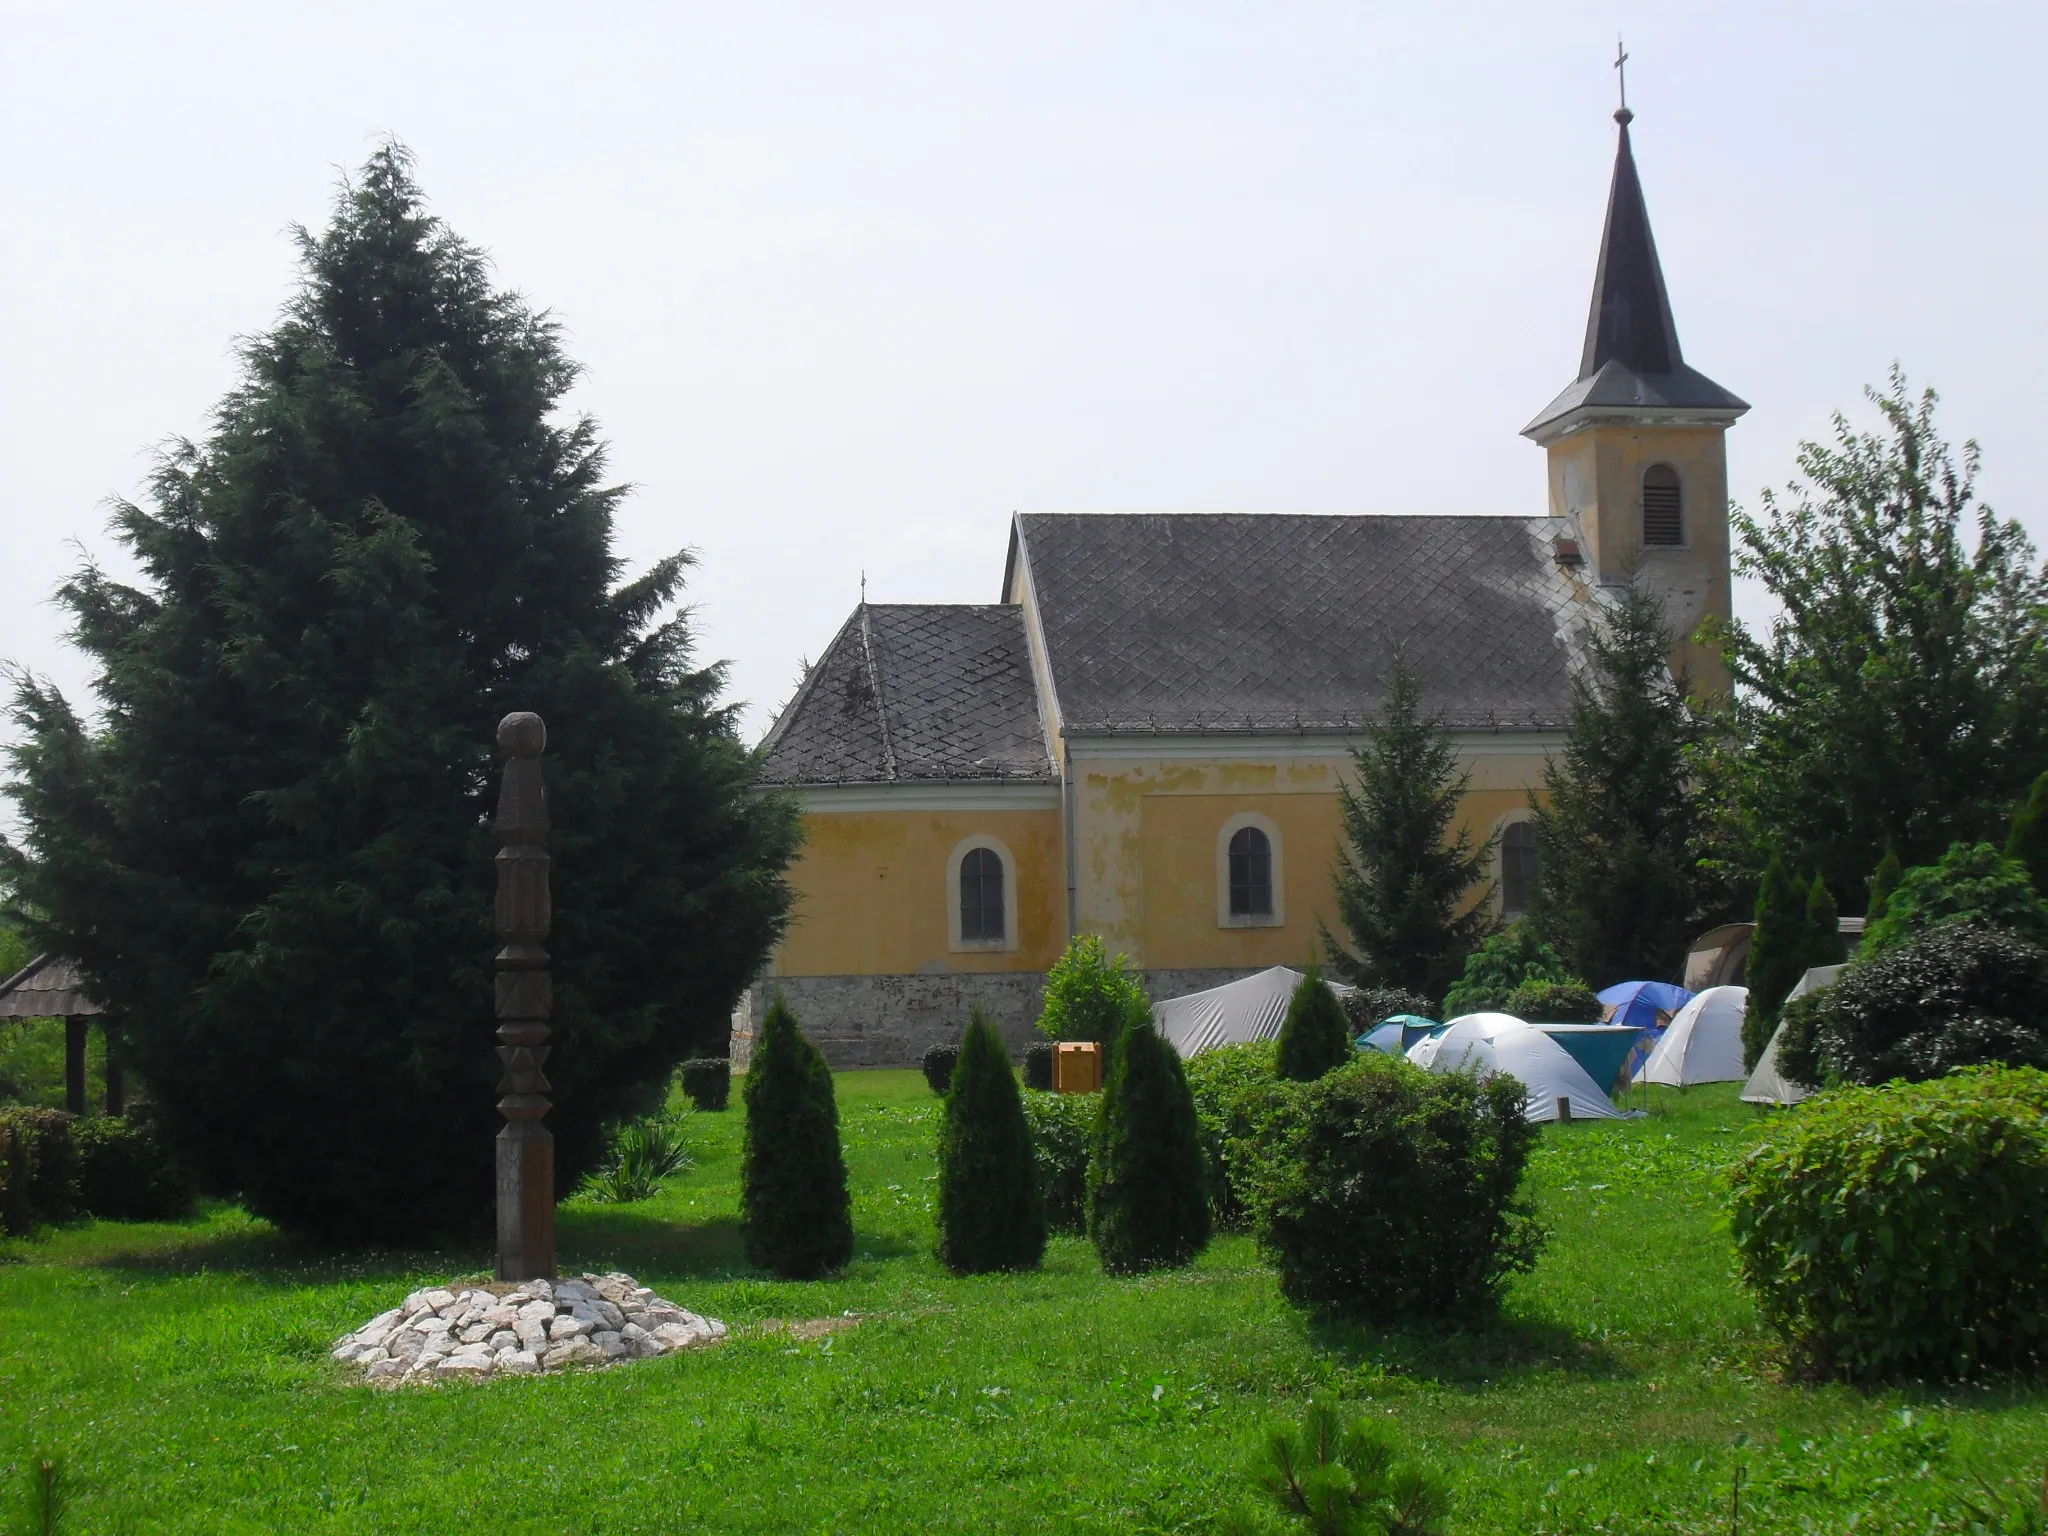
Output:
(564, 1328)
(533, 1334)
(613, 1346)
(678, 1335)
(438, 1299)
(464, 1365)
(543, 1310)
(476, 1333)
(502, 1339)
(518, 1362)
(346, 1349)
(500, 1316)
(385, 1370)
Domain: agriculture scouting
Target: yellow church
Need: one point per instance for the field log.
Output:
(1143, 738)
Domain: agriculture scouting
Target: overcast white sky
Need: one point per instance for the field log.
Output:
(853, 283)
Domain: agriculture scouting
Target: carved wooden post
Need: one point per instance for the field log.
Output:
(526, 1148)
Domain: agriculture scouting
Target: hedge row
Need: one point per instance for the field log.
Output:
(56, 1167)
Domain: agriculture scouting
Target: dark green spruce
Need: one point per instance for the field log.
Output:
(793, 1195)
(1777, 955)
(1883, 881)
(1406, 887)
(1148, 1206)
(269, 844)
(991, 1215)
(1619, 894)
(1316, 1035)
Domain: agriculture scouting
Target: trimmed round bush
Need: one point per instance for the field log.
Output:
(1555, 1002)
(38, 1169)
(1148, 1205)
(1038, 1065)
(1386, 1191)
(124, 1173)
(1062, 1125)
(708, 1081)
(991, 1213)
(1954, 996)
(1897, 1232)
(938, 1066)
(793, 1192)
(1315, 1036)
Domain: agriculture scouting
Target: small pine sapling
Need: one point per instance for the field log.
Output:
(1333, 1477)
(1316, 1035)
(991, 1213)
(793, 1192)
(1148, 1204)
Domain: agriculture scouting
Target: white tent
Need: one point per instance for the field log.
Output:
(1500, 1042)
(1767, 1085)
(1703, 1043)
(1253, 1008)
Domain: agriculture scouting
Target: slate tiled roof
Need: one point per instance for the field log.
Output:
(915, 692)
(1218, 623)
(49, 986)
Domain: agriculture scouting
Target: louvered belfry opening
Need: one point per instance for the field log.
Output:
(1663, 512)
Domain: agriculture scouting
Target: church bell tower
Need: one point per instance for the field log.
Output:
(1638, 457)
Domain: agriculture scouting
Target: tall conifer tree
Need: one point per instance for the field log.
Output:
(1777, 955)
(1619, 893)
(1411, 896)
(991, 1215)
(793, 1192)
(1148, 1203)
(271, 851)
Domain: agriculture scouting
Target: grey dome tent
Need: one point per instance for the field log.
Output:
(1767, 1085)
(1235, 1013)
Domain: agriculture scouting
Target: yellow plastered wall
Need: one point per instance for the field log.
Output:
(1596, 476)
(873, 895)
(1148, 833)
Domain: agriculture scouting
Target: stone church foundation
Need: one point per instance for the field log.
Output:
(890, 1021)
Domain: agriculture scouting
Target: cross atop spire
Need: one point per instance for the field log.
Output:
(1622, 114)
(1631, 361)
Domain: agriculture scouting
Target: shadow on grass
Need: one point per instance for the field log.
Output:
(617, 1237)
(1470, 1356)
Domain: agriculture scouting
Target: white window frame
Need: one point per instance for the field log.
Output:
(1008, 942)
(1684, 505)
(1523, 816)
(1225, 918)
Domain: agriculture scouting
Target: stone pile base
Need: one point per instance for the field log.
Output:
(476, 1332)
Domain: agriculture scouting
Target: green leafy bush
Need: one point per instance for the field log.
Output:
(1316, 1036)
(125, 1173)
(1897, 1232)
(1038, 1065)
(1148, 1205)
(1368, 1006)
(1089, 996)
(1386, 1191)
(708, 1082)
(38, 1169)
(1338, 1477)
(1973, 883)
(2027, 842)
(991, 1211)
(938, 1066)
(642, 1154)
(1555, 1002)
(1501, 964)
(793, 1192)
(1228, 1086)
(1957, 995)
(1062, 1125)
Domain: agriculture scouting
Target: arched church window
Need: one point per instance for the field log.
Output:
(1663, 506)
(981, 896)
(1517, 868)
(1251, 873)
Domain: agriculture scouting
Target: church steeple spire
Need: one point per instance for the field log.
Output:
(1631, 363)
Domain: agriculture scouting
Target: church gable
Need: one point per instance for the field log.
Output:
(910, 692)
(1192, 623)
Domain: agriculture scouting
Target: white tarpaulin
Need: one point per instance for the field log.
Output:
(1500, 1042)
(1233, 1014)
(1703, 1044)
(1767, 1085)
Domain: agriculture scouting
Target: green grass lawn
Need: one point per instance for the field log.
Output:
(179, 1374)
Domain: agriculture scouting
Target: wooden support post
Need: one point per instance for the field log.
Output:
(117, 1096)
(1564, 1107)
(75, 1027)
(526, 1148)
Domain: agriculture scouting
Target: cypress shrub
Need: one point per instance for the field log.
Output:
(991, 1213)
(939, 1061)
(124, 1173)
(1823, 926)
(1777, 955)
(1038, 1065)
(1896, 1232)
(708, 1081)
(1316, 1036)
(38, 1169)
(2028, 841)
(1147, 1203)
(1382, 1190)
(1062, 1125)
(1883, 882)
(792, 1175)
